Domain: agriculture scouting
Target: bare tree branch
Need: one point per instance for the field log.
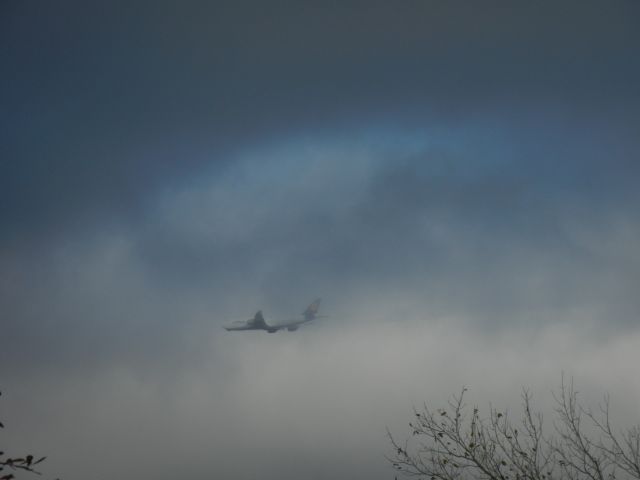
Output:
(457, 443)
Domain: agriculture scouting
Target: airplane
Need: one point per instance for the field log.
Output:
(258, 322)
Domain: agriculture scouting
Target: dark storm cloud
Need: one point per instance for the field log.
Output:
(152, 92)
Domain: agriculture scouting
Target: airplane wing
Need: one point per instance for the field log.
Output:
(237, 326)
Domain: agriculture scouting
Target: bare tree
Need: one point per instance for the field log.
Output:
(456, 442)
(13, 464)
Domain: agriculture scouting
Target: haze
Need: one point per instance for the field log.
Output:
(457, 180)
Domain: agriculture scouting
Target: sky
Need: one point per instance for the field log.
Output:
(457, 181)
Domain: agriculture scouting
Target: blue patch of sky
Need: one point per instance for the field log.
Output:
(466, 151)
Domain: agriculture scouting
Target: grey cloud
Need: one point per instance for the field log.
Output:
(315, 405)
(435, 222)
(457, 181)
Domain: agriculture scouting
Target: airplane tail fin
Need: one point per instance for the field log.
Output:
(312, 310)
(258, 320)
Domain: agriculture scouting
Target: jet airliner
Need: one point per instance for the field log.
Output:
(258, 322)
